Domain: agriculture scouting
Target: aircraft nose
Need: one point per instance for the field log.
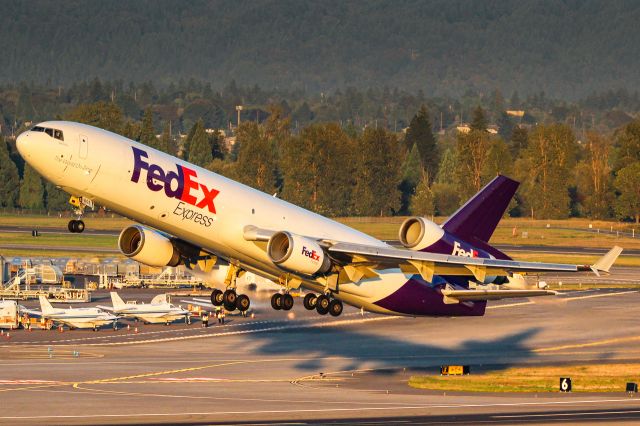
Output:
(22, 143)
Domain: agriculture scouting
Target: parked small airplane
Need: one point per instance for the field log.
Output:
(157, 312)
(221, 228)
(74, 317)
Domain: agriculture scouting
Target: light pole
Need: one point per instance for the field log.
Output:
(238, 108)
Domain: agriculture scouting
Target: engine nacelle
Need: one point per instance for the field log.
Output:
(417, 233)
(147, 246)
(298, 254)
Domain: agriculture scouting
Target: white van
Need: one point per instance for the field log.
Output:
(9, 317)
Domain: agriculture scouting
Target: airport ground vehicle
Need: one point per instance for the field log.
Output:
(9, 314)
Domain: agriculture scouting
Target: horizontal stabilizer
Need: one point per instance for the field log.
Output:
(456, 296)
(606, 262)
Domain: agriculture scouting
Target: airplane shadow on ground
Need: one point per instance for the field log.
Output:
(368, 350)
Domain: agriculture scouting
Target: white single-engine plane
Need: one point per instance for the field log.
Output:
(220, 228)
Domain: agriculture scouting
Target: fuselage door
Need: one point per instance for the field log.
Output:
(84, 146)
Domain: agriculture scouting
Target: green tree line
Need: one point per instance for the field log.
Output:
(339, 170)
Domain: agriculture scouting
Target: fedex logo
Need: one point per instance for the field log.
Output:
(459, 251)
(180, 184)
(310, 254)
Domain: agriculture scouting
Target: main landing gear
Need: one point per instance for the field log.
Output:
(282, 301)
(230, 300)
(322, 304)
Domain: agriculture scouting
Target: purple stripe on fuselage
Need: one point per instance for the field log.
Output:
(416, 297)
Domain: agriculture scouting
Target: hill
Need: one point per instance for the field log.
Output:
(568, 48)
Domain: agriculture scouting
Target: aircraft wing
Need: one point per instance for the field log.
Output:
(455, 296)
(199, 302)
(361, 259)
(106, 308)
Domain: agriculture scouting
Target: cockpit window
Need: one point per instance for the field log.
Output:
(54, 133)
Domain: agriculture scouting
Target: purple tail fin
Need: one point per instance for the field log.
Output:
(479, 217)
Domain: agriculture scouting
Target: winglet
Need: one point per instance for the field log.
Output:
(605, 262)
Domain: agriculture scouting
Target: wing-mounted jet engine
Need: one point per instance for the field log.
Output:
(298, 254)
(156, 249)
(148, 246)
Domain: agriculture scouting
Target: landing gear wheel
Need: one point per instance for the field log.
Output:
(75, 226)
(229, 297)
(309, 301)
(287, 302)
(322, 304)
(216, 297)
(243, 303)
(335, 307)
(276, 301)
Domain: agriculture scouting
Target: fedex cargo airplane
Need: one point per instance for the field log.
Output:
(221, 229)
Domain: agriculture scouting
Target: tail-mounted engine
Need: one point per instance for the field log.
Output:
(298, 254)
(417, 233)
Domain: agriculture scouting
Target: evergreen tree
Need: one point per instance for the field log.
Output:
(9, 178)
(628, 185)
(628, 143)
(471, 154)
(56, 199)
(498, 160)
(594, 177)
(31, 190)
(505, 125)
(187, 141)
(447, 168)
(519, 138)
(378, 173)
(423, 202)
(147, 131)
(199, 148)
(105, 115)
(420, 134)
(316, 169)
(257, 161)
(165, 143)
(479, 121)
(549, 159)
(216, 141)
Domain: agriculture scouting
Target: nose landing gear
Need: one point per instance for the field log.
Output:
(76, 226)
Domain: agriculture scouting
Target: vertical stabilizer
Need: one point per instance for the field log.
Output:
(476, 220)
(45, 305)
(117, 301)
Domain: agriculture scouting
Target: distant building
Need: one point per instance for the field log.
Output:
(515, 113)
(463, 128)
(493, 129)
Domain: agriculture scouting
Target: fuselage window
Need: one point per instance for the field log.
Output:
(58, 134)
(49, 132)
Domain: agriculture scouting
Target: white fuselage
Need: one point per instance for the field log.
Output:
(80, 317)
(153, 313)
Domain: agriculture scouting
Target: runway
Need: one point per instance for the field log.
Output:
(307, 369)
